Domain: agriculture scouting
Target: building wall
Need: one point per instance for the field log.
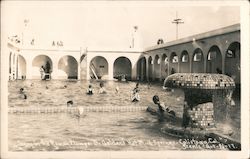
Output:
(154, 70)
(221, 41)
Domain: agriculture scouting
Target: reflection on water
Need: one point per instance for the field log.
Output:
(94, 132)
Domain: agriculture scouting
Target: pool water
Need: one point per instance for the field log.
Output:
(96, 131)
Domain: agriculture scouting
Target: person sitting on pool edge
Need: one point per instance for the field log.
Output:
(162, 108)
(90, 90)
(102, 89)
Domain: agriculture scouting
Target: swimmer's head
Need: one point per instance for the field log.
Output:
(65, 86)
(90, 86)
(101, 84)
(156, 99)
(21, 89)
(70, 103)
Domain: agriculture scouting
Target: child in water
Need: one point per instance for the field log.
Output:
(90, 90)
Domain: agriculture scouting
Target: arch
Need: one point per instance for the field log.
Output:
(98, 67)
(141, 69)
(122, 66)
(184, 62)
(37, 62)
(67, 67)
(150, 68)
(214, 60)
(164, 66)
(83, 66)
(232, 61)
(21, 65)
(157, 68)
(197, 61)
(174, 60)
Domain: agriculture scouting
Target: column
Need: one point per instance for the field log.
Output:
(54, 74)
(110, 70)
(133, 71)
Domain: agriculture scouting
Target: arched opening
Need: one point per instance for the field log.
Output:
(174, 60)
(214, 60)
(185, 62)
(98, 68)
(198, 61)
(164, 66)
(232, 61)
(122, 68)
(150, 68)
(21, 65)
(157, 69)
(83, 66)
(38, 62)
(67, 67)
(141, 69)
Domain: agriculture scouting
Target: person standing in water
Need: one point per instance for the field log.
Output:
(135, 97)
(102, 89)
(90, 90)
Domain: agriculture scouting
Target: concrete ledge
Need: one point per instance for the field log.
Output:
(48, 110)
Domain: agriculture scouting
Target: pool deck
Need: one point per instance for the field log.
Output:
(47, 110)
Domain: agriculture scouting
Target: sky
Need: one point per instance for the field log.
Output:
(109, 24)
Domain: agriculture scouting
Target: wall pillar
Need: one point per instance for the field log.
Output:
(54, 74)
(110, 69)
(134, 70)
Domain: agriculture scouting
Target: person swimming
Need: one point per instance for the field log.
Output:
(102, 89)
(70, 103)
(90, 90)
(22, 93)
(21, 90)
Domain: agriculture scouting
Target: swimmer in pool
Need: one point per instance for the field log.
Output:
(135, 97)
(161, 106)
(102, 90)
(21, 91)
(70, 103)
(90, 90)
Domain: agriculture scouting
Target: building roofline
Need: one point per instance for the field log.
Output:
(217, 32)
(115, 51)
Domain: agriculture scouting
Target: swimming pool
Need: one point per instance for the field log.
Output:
(96, 131)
